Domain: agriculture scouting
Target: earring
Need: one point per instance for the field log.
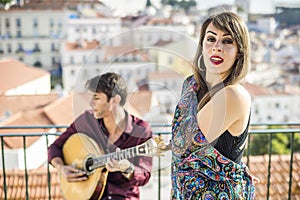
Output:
(199, 64)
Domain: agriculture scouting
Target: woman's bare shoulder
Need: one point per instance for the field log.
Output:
(237, 93)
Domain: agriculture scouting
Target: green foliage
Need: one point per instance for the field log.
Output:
(5, 1)
(281, 143)
(56, 79)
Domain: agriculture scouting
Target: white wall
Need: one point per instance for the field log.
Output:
(40, 85)
(49, 29)
(75, 76)
(36, 155)
(276, 108)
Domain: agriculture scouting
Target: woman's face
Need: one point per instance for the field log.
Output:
(219, 50)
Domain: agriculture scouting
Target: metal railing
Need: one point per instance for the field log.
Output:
(258, 128)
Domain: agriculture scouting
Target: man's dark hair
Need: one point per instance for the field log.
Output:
(110, 84)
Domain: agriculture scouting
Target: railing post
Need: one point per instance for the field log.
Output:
(269, 166)
(291, 166)
(159, 175)
(248, 150)
(3, 168)
(48, 172)
(25, 163)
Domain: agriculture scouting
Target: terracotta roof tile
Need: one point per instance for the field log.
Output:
(279, 177)
(19, 103)
(10, 71)
(24, 110)
(38, 184)
(60, 111)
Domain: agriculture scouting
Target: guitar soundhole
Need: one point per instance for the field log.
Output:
(89, 162)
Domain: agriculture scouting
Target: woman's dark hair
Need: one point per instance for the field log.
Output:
(110, 84)
(231, 23)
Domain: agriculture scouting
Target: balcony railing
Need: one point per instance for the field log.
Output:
(52, 131)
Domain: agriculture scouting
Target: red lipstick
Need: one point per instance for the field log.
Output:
(216, 60)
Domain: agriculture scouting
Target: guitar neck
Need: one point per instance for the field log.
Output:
(119, 155)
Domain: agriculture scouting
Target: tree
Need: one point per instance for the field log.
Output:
(5, 1)
(281, 143)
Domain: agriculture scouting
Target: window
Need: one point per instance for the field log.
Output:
(35, 23)
(9, 48)
(52, 47)
(20, 48)
(53, 61)
(19, 34)
(36, 48)
(60, 23)
(84, 60)
(51, 23)
(270, 117)
(71, 60)
(37, 63)
(1, 50)
(18, 22)
(7, 24)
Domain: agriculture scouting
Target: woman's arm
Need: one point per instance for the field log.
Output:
(228, 109)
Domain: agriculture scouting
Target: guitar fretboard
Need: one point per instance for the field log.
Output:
(119, 155)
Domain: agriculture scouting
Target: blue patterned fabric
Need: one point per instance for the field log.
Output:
(199, 171)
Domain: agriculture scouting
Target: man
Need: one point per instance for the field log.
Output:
(113, 129)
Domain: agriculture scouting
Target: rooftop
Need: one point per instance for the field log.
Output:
(14, 69)
(37, 180)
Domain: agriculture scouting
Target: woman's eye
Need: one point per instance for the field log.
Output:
(211, 39)
(228, 41)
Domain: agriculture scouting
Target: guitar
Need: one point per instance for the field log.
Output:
(82, 152)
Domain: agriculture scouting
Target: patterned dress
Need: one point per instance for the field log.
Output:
(199, 171)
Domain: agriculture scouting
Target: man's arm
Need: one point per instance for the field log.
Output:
(55, 158)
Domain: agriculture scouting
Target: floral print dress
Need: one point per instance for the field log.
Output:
(199, 171)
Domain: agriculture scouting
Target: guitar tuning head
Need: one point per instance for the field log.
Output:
(158, 139)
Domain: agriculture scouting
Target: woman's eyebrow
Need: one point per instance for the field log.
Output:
(211, 32)
(225, 34)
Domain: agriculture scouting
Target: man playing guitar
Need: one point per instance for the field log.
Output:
(112, 128)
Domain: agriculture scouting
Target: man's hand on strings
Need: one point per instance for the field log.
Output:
(114, 165)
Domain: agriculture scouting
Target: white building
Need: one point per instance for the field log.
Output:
(147, 35)
(101, 29)
(32, 36)
(269, 106)
(75, 76)
(267, 25)
(264, 75)
(276, 108)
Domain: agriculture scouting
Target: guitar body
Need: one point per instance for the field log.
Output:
(76, 150)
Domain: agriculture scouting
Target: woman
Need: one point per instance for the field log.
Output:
(210, 126)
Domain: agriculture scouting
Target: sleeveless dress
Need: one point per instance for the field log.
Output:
(198, 170)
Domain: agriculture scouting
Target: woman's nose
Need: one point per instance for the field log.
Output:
(217, 47)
